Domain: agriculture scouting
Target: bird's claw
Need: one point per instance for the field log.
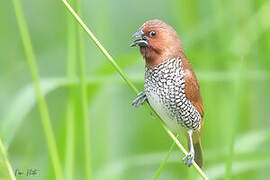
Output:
(188, 159)
(139, 100)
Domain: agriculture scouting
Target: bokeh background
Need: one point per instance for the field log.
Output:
(227, 42)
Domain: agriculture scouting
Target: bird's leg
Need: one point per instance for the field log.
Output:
(190, 156)
(139, 100)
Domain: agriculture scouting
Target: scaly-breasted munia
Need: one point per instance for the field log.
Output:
(170, 85)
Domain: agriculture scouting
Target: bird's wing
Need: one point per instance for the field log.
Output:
(192, 90)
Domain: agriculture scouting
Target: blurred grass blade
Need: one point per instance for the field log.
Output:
(6, 161)
(164, 162)
(22, 104)
(125, 78)
(217, 171)
(237, 89)
(40, 98)
(84, 99)
(70, 150)
(101, 48)
(70, 112)
(258, 138)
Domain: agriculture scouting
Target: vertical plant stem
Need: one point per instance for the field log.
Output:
(100, 47)
(229, 160)
(45, 119)
(6, 161)
(71, 73)
(164, 162)
(125, 78)
(84, 101)
(237, 88)
(70, 150)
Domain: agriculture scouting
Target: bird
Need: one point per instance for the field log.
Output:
(170, 85)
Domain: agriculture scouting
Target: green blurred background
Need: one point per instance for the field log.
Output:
(228, 44)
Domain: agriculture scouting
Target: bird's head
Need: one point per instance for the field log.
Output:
(157, 41)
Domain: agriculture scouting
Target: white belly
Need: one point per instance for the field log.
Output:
(163, 112)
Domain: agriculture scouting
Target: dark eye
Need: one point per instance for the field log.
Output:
(152, 33)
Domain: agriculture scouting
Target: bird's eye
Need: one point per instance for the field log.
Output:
(152, 33)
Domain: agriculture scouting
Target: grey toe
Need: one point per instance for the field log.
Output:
(188, 159)
(139, 100)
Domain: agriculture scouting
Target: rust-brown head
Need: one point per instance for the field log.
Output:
(157, 41)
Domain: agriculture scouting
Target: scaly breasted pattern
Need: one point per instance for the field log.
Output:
(164, 87)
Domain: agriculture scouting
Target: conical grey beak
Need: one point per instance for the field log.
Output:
(138, 34)
(140, 39)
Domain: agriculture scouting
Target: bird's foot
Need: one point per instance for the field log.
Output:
(139, 100)
(188, 159)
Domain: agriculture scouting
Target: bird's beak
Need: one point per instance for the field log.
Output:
(139, 39)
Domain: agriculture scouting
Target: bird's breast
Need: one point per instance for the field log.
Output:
(165, 90)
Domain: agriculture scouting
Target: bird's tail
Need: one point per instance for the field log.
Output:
(197, 145)
(198, 153)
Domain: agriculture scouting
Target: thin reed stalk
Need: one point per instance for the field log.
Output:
(164, 162)
(84, 101)
(6, 161)
(45, 118)
(71, 74)
(237, 87)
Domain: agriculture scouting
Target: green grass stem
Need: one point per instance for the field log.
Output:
(71, 74)
(6, 161)
(45, 118)
(237, 90)
(84, 101)
(164, 162)
(100, 47)
(124, 76)
(70, 140)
